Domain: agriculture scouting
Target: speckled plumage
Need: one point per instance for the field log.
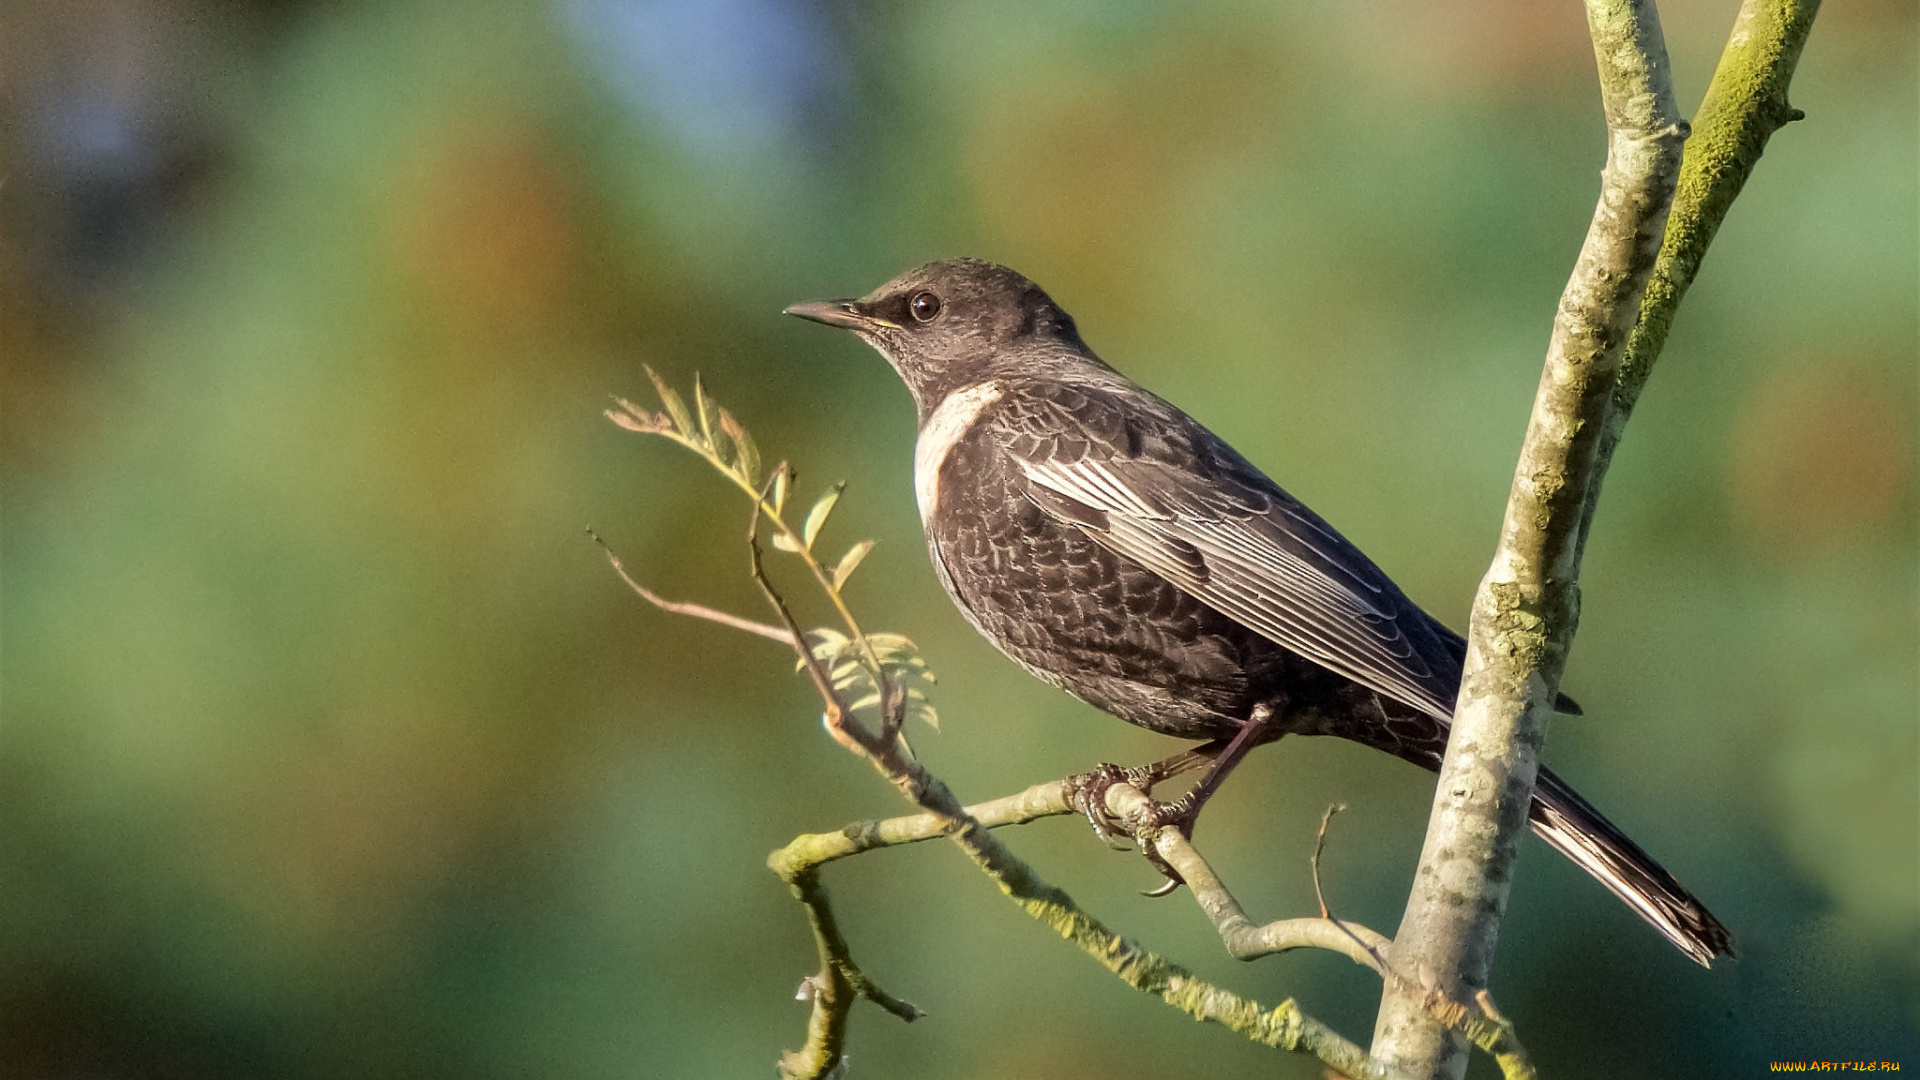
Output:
(1117, 549)
(1085, 617)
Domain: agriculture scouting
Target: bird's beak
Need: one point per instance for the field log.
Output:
(849, 314)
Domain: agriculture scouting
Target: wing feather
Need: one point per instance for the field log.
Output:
(1239, 544)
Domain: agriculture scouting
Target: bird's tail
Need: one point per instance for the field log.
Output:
(1569, 823)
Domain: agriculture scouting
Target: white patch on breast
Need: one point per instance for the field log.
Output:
(952, 420)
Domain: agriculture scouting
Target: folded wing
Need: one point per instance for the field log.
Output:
(1169, 495)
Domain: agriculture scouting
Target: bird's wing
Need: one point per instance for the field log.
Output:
(1153, 485)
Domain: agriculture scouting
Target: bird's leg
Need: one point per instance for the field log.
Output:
(1087, 791)
(1184, 811)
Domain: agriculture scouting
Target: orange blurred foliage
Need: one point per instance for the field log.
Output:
(1822, 455)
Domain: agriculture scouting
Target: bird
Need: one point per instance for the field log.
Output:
(1117, 549)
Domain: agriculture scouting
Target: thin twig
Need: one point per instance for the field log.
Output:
(841, 720)
(818, 849)
(682, 607)
(893, 710)
(837, 718)
(678, 428)
(1485, 1028)
(1504, 1042)
(1373, 947)
(1319, 845)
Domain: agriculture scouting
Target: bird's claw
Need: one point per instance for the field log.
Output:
(1179, 815)
(1167, 886)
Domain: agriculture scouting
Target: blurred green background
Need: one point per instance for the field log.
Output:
(332, 748)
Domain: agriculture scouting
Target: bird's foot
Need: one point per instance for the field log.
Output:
(1087, 793)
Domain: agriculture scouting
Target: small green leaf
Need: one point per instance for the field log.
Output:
(677, 409)
(703, 405)
(817, 517)
(745, 452)
(850, 561)
(827, 644)
(780, 488)
(901, 667)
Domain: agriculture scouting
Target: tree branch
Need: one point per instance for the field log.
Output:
(1481, 1024)
(1527, 608)
(833, 989)
(1284, 1027)
(1528, 604)
(1244, 940)
(818, 849)
(688, 608)
(799, 861)
(1745, 104)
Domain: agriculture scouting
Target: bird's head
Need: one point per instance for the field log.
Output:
(948, 325)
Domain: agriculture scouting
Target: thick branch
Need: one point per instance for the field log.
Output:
(1745, 104)
(1528, 603)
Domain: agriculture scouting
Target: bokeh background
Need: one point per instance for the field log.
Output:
(332, 748)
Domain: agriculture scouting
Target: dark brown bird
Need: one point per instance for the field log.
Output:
(1117, 549)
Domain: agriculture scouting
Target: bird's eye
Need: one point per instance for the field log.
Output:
(925, 306)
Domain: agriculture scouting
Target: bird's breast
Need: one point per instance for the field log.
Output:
(1076, 614)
